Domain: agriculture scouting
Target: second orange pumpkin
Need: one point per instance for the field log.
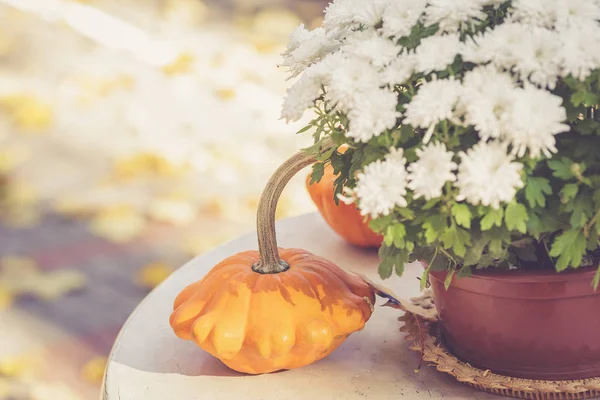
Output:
(345, 219)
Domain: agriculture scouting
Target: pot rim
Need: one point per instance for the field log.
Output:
(519, 284)
(521, 276)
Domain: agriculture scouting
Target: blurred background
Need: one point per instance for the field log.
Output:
(134, 135)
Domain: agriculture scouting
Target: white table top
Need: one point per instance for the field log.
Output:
(149, 362)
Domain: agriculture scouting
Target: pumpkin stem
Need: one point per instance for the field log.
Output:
(270, 262)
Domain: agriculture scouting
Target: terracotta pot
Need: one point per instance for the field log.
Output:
(537, 325)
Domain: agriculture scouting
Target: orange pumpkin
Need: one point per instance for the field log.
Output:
(258, 323)
(272, 309)
(344, 219)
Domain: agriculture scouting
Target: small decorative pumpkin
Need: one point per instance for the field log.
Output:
(344, 219)
(272, 309)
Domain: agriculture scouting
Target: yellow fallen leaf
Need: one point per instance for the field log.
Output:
(225, 94)
(144, 164)
(6, 298)
(52, 391)
(181, 65)
(152, 275)
(27, 112)
(118, 223)
(21, 275)
(20, 194)
(20, 217)
(54, 285)
(172, 210)
(185, 11)
(214, 207)
(276, 21)
(198, 244)
(7, 44)
(19, 366)
(93, 370)
(92, 89)
(7, 161)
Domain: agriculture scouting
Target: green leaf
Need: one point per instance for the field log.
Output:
(395, 235)
(465, 272)
(596, 280)
(527, 254)
(561, 168)
(593, 242)
(386, 267)
(380, 224)
(431, 203)
(496, 248)
(457, 239)
(434, 226)
(535, 191)
(582, 209)
(516, 217)
(493, 217)
(406, 213)
(337, 162)
(400, 262)
(392, 259)
(596, 198)
(584, 97)
(475, 252)
(534, 225)
(568, 192)
(569, 247)
(449, 277)
(306, 128)
(462, 215)
(318, 170)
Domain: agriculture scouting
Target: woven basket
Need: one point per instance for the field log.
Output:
(424, 334)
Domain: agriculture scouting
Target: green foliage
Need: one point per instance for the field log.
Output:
(462, 215)
(569, 247)
(536, 190)
(554, 220)
(516, 217)
(491, 218)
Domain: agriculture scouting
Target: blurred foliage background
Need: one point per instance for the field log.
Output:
(134, 135)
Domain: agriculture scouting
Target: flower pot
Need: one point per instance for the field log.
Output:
(536, 325)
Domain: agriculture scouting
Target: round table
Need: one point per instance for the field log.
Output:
(148, 362)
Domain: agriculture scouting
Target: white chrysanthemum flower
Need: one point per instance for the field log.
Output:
(401, 16)
(302, 94)
(488, 93)
(535, 117)
(451, 15)
(428, 175)
(369, 45)
(495, 44)
(344, 13)
(536, 57)
(351, 78)
(373, 113)
(532, 52)
(300, 35)
(381, 186)
(435, 101)
(308, 48)
(557, 13)
(399, 71)
(436, 53)
(487, 175)
(578, 55)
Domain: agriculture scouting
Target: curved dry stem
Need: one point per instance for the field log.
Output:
(269, 262)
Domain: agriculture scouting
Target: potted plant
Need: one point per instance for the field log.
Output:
(473, 145)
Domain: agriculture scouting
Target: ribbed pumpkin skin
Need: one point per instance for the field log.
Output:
(344, 219)
(259, 323)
